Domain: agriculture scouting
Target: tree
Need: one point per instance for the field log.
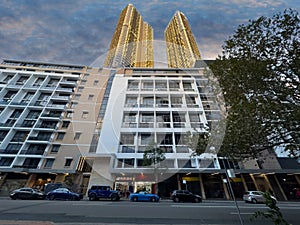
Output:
(258, 72)
(153, 155)
(197, 141)
(273, 213)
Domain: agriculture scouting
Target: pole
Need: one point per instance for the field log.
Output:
(233, 197)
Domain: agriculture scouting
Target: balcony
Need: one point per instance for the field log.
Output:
(146, 125)
(131, 105)
(127, 149)
(31, 152)
(163, 125)
(31, 138)
(26, 166)
(9, 151)
(129, 125)
(69, 83)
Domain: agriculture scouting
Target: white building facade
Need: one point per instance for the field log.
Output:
(153, 106)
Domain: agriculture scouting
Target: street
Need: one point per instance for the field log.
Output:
(124, 212)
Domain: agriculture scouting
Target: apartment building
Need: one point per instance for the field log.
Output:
(47, 122)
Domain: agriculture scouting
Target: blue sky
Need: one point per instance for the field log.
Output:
(79, 31)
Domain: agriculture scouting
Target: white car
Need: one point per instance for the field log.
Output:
(256, 197)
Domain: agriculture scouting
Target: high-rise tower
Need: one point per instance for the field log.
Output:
(132, 42)
(182, 50)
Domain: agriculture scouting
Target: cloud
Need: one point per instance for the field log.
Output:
(79, 31)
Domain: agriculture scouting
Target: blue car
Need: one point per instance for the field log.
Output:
(63, 194)
(143, 197)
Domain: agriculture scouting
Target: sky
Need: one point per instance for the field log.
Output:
(79, 31)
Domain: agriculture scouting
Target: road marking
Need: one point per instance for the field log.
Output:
(246, 213)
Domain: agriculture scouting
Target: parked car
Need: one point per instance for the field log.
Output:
(256, 197)
(97, 192)
(143, 196)
(63, 194)
(185, 196)
(27, 193)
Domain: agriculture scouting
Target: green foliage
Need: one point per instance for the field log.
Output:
(197, 141)
(153, 155)
(259, 75)
(273, 212)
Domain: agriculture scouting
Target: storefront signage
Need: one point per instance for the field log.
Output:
(191, 178)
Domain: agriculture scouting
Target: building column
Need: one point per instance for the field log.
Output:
(280, 188)
(178, 181)
(31, 180)
(202, 186)
(225, 187)
(254, 181)
(296, 176)
(268, 183)
(244, 182)
(2, 179)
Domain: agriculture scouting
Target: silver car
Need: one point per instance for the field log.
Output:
(256, 197)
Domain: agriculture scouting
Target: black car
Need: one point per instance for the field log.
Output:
(27, 193)
(185, 196)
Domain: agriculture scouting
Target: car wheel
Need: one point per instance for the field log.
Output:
(176, 199)
(254, 201)
(92, 197)
(13, 197)
(114, 198)
(73, 198)
(135, 199)
(197, 200)
(152, 199)
(51, 197)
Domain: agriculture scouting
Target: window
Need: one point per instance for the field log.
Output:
(33, 114)
(53, 82)
(65, 124)
(146, 139)
(69, 114)
(22, 80)
(90, 97)
(77, 135)
(49, 163)
(27, 97)
(38, 82)
(96, 82)
(127, 139)
(55, 148)
(83, 82)
(84, 115)
(80, 89)
(77, 97)
(73, 105)
(60, 136)
(68, 162)
(3, 133)
(5, 161)
(20, 136)
(9, 96)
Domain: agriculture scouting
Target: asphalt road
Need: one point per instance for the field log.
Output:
(46, 212)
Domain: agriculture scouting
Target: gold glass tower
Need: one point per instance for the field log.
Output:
(182, 50)
(132, 42)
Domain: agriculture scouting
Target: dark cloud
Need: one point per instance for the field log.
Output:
(79, 31)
